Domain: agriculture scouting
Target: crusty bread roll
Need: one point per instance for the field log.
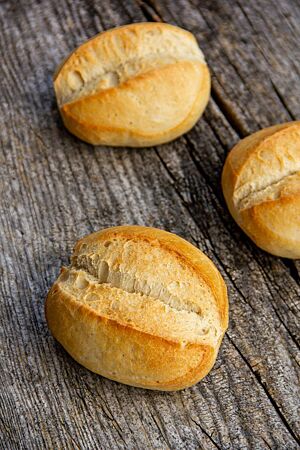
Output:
(141, 306)
(137, 85)
(261, 185)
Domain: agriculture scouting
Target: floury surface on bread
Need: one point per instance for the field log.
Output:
(141, 306)
(136, 85)
(261, 185)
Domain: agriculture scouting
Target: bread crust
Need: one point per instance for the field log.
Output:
(261, 186)
(123, 351)
(138, 85)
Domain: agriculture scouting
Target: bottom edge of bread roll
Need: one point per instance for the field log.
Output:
(133, 357)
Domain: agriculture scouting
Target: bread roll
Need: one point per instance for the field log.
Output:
(261, 185)
(137, 85)
(140, 306)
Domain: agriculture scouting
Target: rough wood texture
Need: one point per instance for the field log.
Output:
(55, 189)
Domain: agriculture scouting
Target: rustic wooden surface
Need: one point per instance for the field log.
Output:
(55, 189)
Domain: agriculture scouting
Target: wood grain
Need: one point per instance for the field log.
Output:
(55, 189)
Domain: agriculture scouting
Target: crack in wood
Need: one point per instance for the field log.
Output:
(228, 112)
(266, 442)
(282, 100)
(290, 264)
(160, 429)
(265, 388)
(206, 434)
(149, 10)
(294, 338)
(66, 428)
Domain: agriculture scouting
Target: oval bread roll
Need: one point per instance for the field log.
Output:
(261, 185)
(137, 85)
(140, 306)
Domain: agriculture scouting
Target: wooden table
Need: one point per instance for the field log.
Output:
(55, 189)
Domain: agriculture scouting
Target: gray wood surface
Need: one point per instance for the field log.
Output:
(55, 189)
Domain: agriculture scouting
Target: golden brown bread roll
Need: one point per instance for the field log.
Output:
(137, 85)
(261, 185)
(141, 306)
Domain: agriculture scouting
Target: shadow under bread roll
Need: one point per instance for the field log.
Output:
(137, 85)
(140, 306)
(261, 185)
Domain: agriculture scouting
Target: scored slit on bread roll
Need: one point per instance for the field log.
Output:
(261, 185)
(137, 85)
(141, 306)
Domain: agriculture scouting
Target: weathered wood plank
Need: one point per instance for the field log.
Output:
(200, 156)
(55, 189)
